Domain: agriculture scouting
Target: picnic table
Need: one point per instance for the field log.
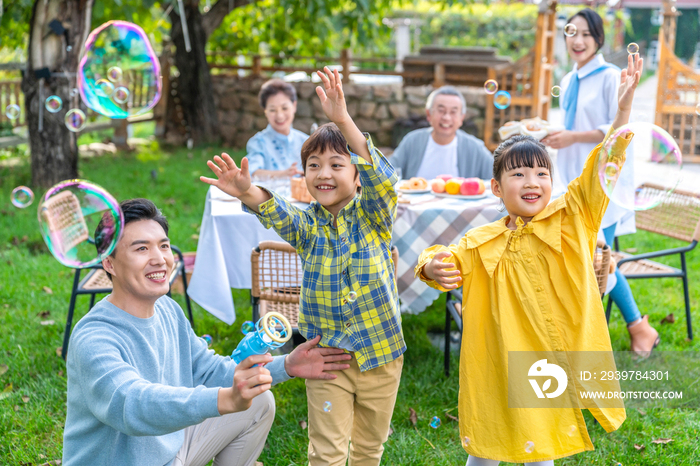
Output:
(228, 235)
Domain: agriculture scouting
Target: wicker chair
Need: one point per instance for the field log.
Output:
(277, 276)
(602, 265)
(96, 282)
(678, 216)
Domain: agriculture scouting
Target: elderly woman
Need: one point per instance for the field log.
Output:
(276, 150)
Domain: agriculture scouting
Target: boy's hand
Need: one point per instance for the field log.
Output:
(292, 170)
(440, 271)
(629, 80)
(229, 178)
(332, 98)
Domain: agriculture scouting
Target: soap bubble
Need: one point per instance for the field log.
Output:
(570, 30)
(114, 74)
(12, 111)
(466, 441)
(501, 100)
(207, 338)
(105, 88)
(119, 48)
(697, 109)
(352, 297)
(74, 92)
(435, 423)
(247, 327)
(327, 406)
(529, 446)
(22, 197)
(653, 160)
(69, 214)
(121, 95)
(632, 48)
(75, 120)
(611, 171)
(556, 91)
(491, 86)
(572, 430)
(53, 104)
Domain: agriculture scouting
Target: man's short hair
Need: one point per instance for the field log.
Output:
(445, 90)
(133, 210)
(274, 87)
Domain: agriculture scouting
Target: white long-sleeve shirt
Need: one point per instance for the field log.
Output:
(595, 109)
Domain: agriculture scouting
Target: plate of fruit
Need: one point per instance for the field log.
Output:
(415, 185)
(458, 188)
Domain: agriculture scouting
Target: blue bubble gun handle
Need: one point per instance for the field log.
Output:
(271, 332)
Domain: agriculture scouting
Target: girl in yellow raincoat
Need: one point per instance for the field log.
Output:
(529, 286)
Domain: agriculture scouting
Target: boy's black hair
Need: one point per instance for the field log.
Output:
(274, 87)
(595, 25)
(133, 210)
(520, 151)
(326, 137)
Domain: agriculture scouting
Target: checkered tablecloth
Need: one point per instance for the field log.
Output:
(430, 220)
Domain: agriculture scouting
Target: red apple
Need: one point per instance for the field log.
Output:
(472, 187)
(445, 178)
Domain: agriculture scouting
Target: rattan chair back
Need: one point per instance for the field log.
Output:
(64, 217)
(678, 216)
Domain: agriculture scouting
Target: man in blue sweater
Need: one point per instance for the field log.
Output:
(143, 389)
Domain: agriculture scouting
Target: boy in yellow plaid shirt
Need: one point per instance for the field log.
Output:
(348, 294)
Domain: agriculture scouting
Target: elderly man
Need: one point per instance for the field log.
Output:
(443, 148)
(144, 389)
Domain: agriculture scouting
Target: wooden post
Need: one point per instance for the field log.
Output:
(257, 65)
(345, 57)
(489, 115)
(667, 42)
(544, 56)
(439, 75)
(161, 109)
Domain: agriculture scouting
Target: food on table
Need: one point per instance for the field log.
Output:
(438, 185)
(299, 190)
(446, 178)
(535, 127)
(414, 184)
(472, 187)
(453, 186)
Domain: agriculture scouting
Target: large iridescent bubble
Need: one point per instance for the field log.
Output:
(118, 54)
(652, 170)
(69, 215)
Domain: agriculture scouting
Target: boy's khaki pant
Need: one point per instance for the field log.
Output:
(361, 407)
(232, 439)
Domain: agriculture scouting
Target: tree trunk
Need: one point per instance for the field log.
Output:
(191, 112)
(54, 150)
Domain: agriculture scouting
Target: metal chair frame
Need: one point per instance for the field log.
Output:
(79, 289)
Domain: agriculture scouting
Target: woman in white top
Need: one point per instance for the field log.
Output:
(589, 101)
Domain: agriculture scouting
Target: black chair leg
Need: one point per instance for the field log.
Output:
(92, 300)
(256, 310)
(69, 318)
(687, 297)
(448, 318)
(187, 297)
(608, 309)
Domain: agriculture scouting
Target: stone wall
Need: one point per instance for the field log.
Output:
(387, 111)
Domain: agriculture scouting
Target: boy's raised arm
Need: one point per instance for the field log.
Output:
(333, 104)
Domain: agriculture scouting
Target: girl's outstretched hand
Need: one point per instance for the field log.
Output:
(332, 97)
(629, 80)
(440, 271)
(229, 178)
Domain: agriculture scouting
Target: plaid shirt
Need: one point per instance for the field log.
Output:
(350, 261)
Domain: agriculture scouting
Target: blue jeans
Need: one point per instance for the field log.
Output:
(621, 294)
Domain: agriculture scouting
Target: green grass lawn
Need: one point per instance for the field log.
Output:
(33, 411)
